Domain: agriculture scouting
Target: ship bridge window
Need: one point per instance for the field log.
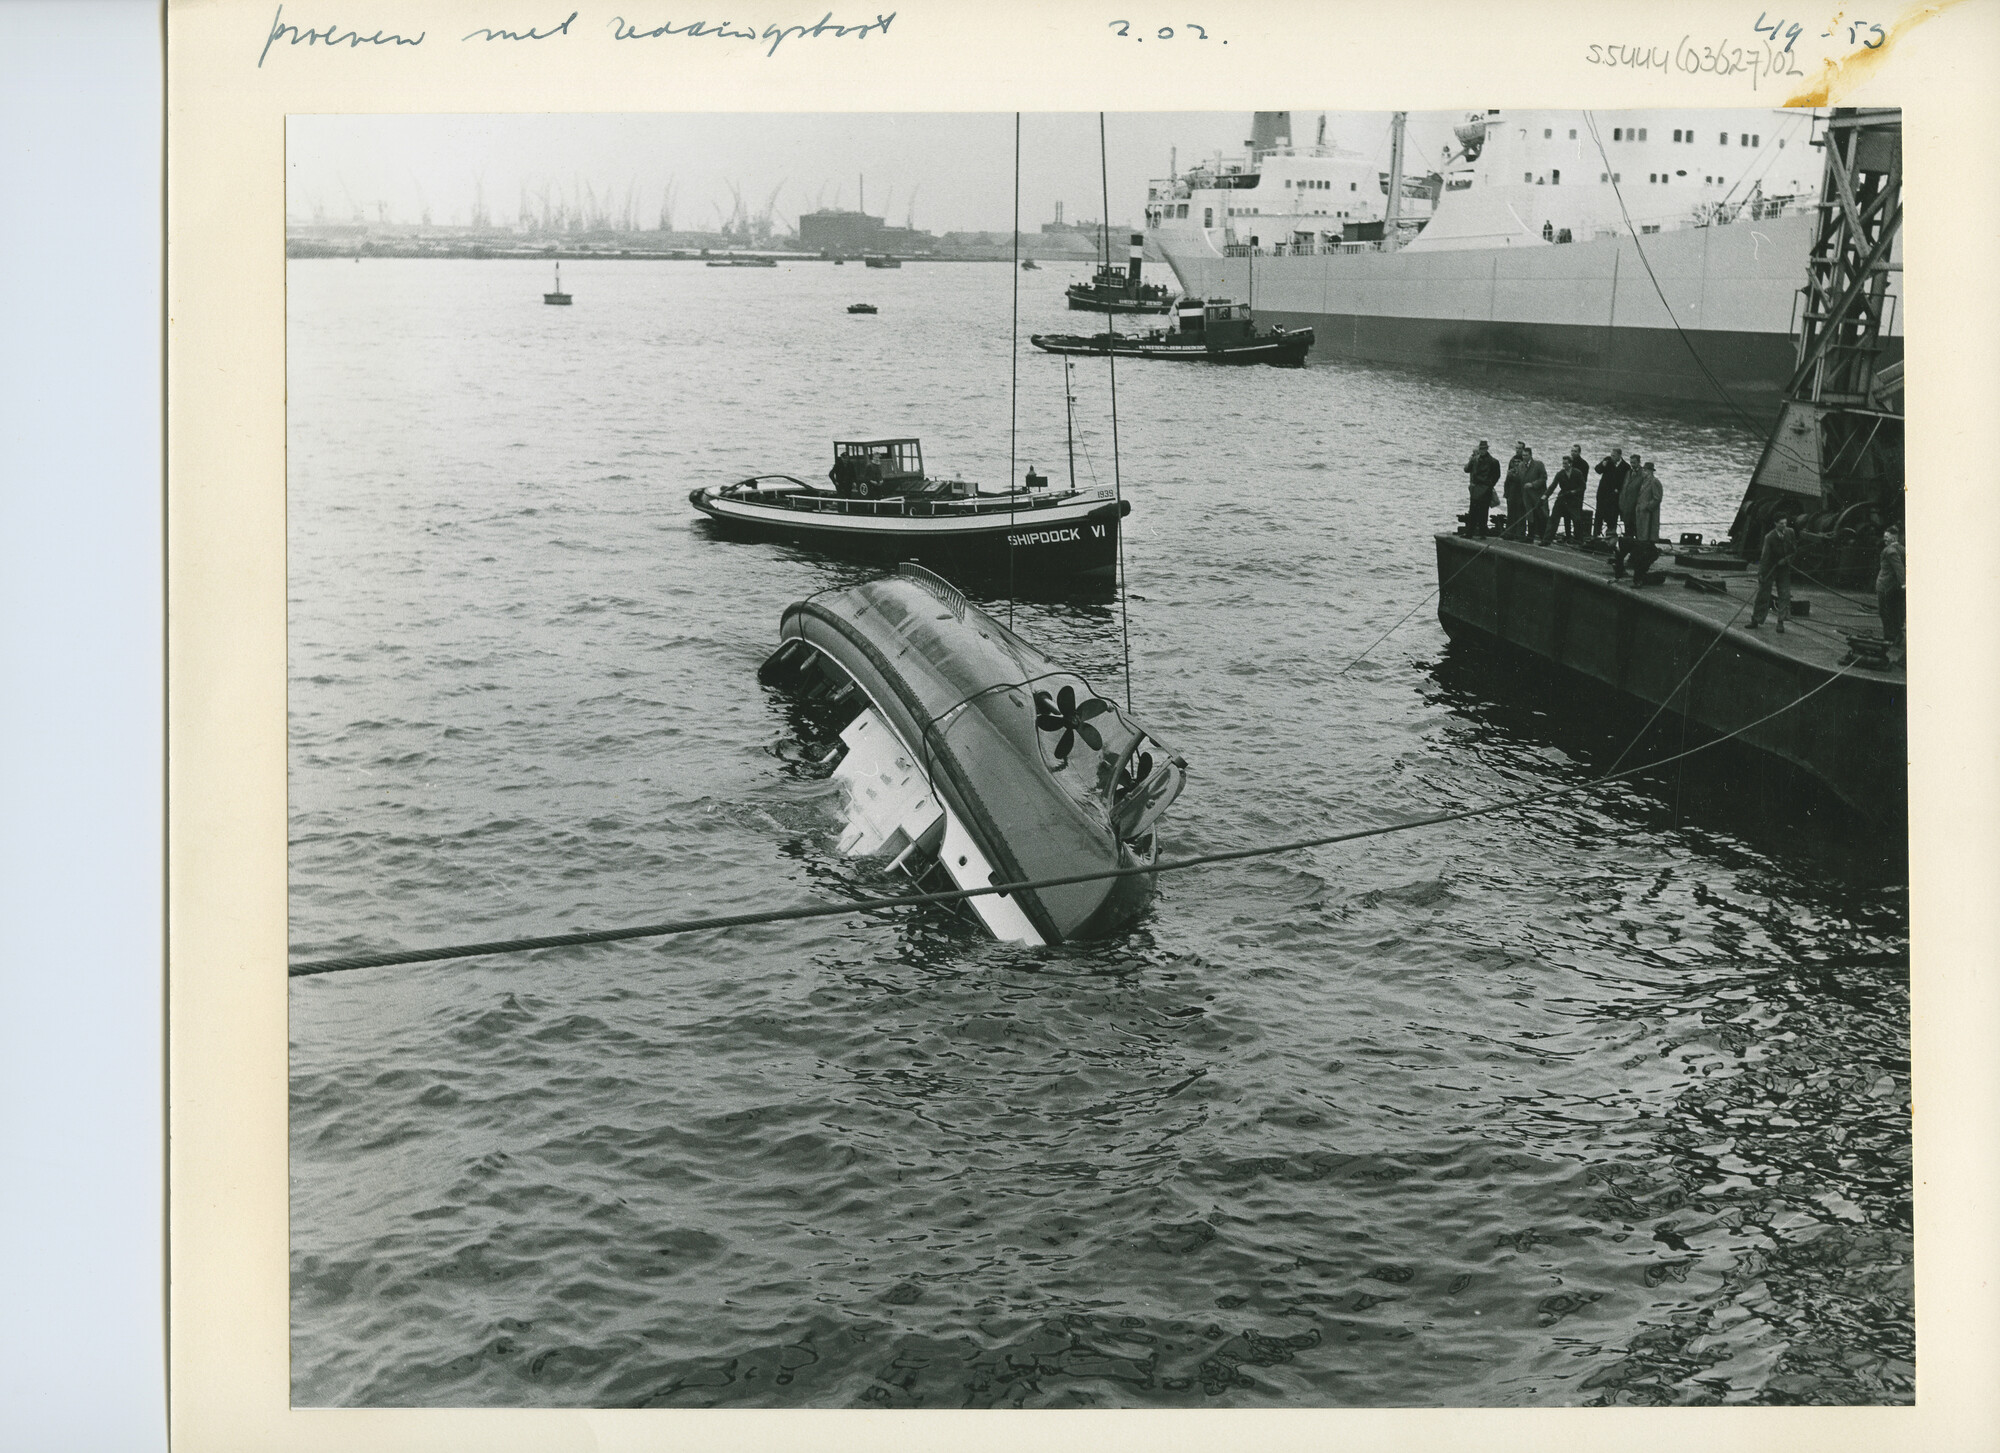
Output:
(1677, 133)
(1572, 133)
(1617, 133)
(1680, 174)
(1725, 138)
(1351, 186)
(1555, 178)
(1527, 177)
(1547, 132)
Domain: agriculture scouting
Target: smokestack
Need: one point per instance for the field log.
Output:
(1138, 256)
(1270, 129)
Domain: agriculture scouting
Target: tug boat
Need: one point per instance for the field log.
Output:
(1214, 330)
(882, 505)
(1112, 290)
(968, 758)
(871, 260)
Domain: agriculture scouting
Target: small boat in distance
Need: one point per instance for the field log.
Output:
(1114, 291)
(1028, 265)
(1212, 330)
(882, 506)
(559, 298)
(968, 758)
(883, 261)
(743, 262)
(862, 308)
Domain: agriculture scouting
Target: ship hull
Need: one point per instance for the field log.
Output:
(1701, 315)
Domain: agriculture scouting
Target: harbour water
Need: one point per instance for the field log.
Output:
(1604, 1101)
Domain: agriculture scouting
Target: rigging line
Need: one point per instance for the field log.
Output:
(1435, 590)
(1681, 685)
(1014, 376)
(1590, 120)
(1117, 484)
(880, 905)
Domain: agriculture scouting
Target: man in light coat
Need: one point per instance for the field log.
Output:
(1646, 522)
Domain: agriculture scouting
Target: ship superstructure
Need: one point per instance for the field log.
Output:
(1645, 253)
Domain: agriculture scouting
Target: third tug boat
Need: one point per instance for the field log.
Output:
(1213, 330)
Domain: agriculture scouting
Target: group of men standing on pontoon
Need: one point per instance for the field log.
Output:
(1628, 493)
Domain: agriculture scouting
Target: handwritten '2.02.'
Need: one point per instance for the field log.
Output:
(1187, 30)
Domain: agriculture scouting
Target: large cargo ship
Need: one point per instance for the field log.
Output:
(1644, 254)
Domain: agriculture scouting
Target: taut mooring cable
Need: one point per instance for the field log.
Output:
(883, 905)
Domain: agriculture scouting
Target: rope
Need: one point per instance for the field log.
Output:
(883, 905)
(1117, 484)
(1014, 375)
(1590, 120)
(1668, 698)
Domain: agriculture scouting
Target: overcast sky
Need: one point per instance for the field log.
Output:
(958, 167)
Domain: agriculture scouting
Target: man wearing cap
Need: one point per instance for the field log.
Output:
(1570, 480)
(1646, 519)
(1774, 573)
(1485, 472)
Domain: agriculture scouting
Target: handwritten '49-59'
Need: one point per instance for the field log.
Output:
(1857, 33)
(1165, 32)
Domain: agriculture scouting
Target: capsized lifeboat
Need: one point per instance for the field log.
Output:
(968, 758)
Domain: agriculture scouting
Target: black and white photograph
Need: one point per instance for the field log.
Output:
(1134, 760)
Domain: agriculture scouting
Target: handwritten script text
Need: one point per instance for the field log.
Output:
(777, 35)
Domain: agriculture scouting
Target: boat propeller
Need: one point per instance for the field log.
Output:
(1062, 713)
(1137, 769)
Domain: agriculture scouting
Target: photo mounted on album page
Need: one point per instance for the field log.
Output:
(947, 710)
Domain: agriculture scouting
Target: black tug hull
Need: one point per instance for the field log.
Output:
(1080, 547)
(1287, 352)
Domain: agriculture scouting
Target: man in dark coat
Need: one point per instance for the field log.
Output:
(1611, 472)
(1570, 480)
(1516, 503)
(1627, 547)
(1485, 472)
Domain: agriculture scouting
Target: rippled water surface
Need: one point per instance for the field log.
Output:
(1600, 1102)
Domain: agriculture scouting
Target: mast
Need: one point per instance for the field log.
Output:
(1393, 211)
(1069, 420)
